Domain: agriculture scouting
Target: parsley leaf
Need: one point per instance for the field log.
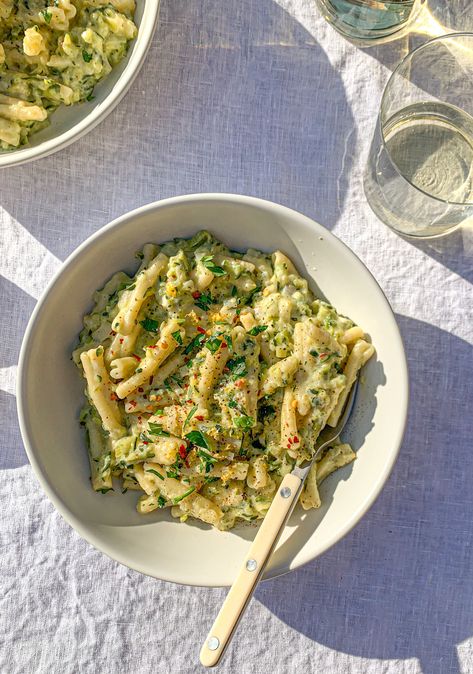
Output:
(257, 329)
(86, 56)
(197, 438)
(237, 367)
(194, 343)
(177, 337)
(161, 501)
(150, 324)
(157, 429)
(213, 344)
(190, 415)
(204, 301)
(47, 16)
(182, 496)
(155, 472)
(207, 261)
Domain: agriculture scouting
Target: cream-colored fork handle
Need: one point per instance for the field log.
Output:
(251, 571)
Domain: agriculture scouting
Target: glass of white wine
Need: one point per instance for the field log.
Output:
(419, 177)
(368, 22)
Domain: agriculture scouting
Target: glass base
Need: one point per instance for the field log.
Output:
(364, 24)
(377, 202)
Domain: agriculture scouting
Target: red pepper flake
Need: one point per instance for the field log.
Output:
(201, 330)
(113, 396)
(196, 295)
(226, 369)
(132, 403)
(199, 417)
(140, 390)
(322, 355)
(145, 443)
(121, 340)
(136, 357)
(190, 401)
(290, 441)
(224, 345)
(295, 439)
(183, 452)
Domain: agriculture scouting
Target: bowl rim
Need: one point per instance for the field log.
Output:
(142, 43)
(28, 441)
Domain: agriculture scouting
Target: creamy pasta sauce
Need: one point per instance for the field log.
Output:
(53, 52)
(210, 375)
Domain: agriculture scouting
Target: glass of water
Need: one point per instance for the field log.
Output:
(368, 22)
(419, 177)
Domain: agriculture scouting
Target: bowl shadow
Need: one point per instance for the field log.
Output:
(398, 586)
(232, 102)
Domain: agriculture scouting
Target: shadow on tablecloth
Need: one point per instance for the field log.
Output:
(233, 97)
(399, 586)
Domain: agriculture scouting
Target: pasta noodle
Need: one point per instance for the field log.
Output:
(210, 375)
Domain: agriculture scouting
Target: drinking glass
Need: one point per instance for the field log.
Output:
(368, 22)
(419, 177)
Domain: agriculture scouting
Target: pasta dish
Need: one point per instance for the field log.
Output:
(209, 375)
(53, 52)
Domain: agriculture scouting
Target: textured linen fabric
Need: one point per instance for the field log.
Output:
(262, 98)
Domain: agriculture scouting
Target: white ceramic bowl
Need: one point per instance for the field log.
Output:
(50, 392)
(70, 123)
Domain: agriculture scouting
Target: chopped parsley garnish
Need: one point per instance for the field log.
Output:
(213, 344)
(155, 472)
(157, 429)
(244, 422)
(47, 16)
(207, 261)
(194, 343)
(161, 501)
(183, 496)
(86, 56)
(237, 367)
(314, 353)
(145, 438)
(197, 438)
(233, 404)
(234, 291)
(204, 301)
(190, 415)
(210, 478)
(257, 329)
(177, 337)
(208, 461)
(172, 473)
(150, 325)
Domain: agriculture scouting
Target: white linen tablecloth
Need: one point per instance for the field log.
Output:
(262, 98)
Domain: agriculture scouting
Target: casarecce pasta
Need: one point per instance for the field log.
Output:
(53, 52)
(209, 375)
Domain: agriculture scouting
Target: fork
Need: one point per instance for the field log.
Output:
(263, 546)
